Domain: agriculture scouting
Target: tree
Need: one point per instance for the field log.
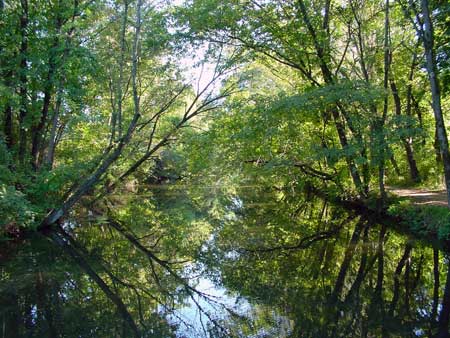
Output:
(70, 119)
(422, 21)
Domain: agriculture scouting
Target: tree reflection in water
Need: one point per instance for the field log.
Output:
(330, 272)
(282, 266)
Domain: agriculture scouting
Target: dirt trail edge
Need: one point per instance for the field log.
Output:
(422, 196)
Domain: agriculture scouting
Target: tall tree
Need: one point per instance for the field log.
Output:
(427, 34)
(422, 21)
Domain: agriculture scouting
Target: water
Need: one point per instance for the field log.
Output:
(262, 267)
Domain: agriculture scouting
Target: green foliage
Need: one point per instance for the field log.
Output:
(442, 24)
(285, 109)
(429, 221)
(15, 209)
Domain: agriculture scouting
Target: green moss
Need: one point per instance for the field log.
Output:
(423, 220)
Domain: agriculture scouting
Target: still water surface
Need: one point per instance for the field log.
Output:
(255, 267)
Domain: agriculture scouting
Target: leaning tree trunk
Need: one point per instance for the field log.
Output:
(89, 182)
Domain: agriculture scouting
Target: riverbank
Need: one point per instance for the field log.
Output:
(423, 221)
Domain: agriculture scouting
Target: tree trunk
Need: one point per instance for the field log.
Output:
(50, 154)
(444, 315)
(435, 286)
(8, 127)
(349, 252)
(437, 148)
(413, 170)
(322, 55)
(379, 126)
(8, 119)
(394, 164)
(23, 80)
(90, 181)
(39, 128)
(363, 267)
(67, 246)
(121, 65)
(428, 42)
(397, 273)
(378, 294)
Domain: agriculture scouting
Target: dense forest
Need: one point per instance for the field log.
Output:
(150, 148)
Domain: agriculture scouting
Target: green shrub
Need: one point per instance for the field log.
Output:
(424, 220)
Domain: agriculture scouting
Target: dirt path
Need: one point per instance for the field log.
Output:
(422, 196)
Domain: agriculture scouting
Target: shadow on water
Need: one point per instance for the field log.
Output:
(264, 264)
